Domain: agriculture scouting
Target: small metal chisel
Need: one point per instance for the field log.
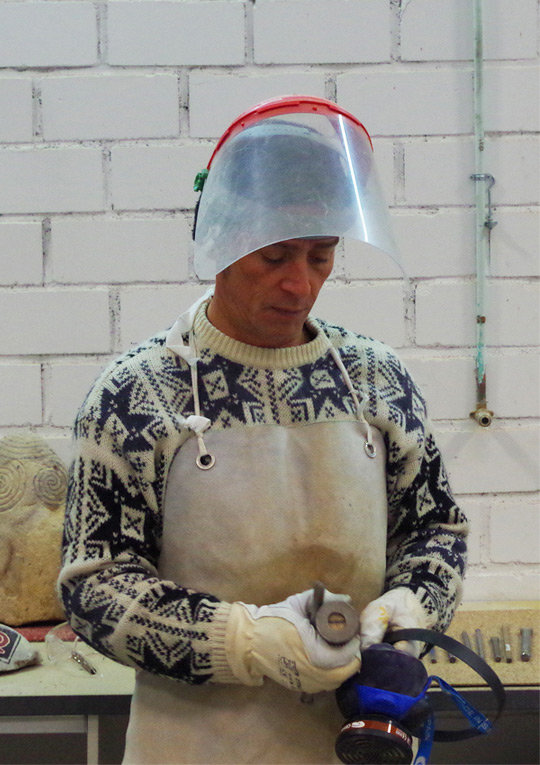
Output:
(507, 645)
(479, 640)
(84, 663)
(465, 639)
(496, 648)
(526, 636)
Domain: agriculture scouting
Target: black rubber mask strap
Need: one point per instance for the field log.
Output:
(466, 655)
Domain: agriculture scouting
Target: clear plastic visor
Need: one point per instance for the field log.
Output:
(296, 176)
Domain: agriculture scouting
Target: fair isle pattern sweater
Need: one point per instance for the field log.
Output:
(127, 433)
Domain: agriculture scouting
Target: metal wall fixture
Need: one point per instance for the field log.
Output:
(484, 223)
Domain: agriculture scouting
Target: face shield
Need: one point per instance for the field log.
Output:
(294, 167)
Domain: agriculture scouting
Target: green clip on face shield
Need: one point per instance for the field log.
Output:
(290, 168)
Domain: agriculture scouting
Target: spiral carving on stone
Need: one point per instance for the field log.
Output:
(49, 481)
(12, 484)
(50, 484)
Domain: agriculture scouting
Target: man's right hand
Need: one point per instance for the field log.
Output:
(278, 641)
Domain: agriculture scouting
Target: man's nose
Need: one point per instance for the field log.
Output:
(296, 278)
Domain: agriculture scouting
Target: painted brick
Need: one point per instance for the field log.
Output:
(20, 253)
(436, 242)
(513, 309)
(147, 177)
(514, 162)
(383, 99)
(95, 250)
(20, 402)
(215, 100)
(176, 34)
(447, 384)
(477, 510)
(513, 383)
(321, 31)
(109, 106)
(37, 34)
(511, 98)
(493, 584)
(515, 531)
(514, 243)
(437, 171)
(59, 179)
(353, 307)
(66, 388)
(41, 321)
(15, 109)
(145, 311)
(496, 459)
(443, 30)
(446, 311)
(383, 151)
(362, 261)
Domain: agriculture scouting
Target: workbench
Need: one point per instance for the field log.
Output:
(63, 698)
(52, 698)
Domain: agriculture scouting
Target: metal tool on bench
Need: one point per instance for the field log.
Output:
(526, 640)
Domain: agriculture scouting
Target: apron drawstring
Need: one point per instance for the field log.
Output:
(369, 447)
(197, 423)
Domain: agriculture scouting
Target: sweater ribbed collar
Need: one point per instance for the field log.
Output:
(209, 337)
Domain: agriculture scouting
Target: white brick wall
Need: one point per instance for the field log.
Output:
(16, 109)
(441, 31)
(108, 110)
(51, 34)
(51, 179)
(55, 321)
(109, 250)
(321, 31)
(198, 33)
(155, 176)
(21, 253)
(109, 106)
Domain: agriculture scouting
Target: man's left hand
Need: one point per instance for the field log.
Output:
(396, 609)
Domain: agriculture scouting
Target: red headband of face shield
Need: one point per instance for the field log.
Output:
(276, 107)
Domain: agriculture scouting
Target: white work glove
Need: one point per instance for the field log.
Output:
(279, 642)
(396, 609)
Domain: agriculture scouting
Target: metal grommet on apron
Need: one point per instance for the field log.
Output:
(370, 449)
(205, 461)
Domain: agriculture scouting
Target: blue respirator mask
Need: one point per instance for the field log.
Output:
(386, 705)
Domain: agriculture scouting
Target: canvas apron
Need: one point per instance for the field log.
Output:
(281, 508)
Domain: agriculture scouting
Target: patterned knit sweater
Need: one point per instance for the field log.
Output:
(132, 424)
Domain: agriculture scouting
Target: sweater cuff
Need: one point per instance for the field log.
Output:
(222, 672)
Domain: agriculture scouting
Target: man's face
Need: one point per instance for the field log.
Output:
(265, 297)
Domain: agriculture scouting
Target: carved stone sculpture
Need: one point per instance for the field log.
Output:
(33, 485)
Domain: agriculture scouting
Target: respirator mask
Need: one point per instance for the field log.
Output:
(386, 704)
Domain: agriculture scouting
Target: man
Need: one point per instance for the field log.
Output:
(225, 466)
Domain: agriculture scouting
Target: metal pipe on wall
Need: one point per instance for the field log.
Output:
(484, 221)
